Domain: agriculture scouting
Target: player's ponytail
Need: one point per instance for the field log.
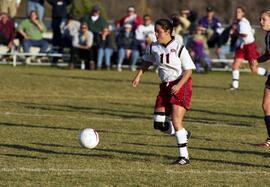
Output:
(165, 24)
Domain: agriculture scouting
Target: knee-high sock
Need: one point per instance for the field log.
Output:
(267, 124)
(181, 140)
(235, 78)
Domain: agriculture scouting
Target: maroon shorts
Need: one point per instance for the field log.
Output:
(248, 52)
(181, 98)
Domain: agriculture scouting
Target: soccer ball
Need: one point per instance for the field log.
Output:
(88, 138)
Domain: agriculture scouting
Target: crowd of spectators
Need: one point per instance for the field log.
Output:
(92, 42)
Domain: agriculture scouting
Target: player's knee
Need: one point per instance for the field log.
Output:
(159, 120)
(266, 107)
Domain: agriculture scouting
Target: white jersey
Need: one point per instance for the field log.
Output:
(145, 30)
(244, 27)
(171, 59)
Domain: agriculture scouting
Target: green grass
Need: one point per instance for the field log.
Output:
(42, 110)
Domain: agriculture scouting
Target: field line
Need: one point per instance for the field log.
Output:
(90, 170)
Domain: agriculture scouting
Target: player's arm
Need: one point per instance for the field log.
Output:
(144, 67)
(261, 59)
(186, 74)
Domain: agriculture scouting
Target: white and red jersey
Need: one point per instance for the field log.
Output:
(171, 59)
(244, 27)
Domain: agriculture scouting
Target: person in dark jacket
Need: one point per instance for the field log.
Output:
(59, 15)
(94, 21)
(127, 44)
(105, 48)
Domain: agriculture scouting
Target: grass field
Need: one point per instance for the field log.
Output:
(42, 110)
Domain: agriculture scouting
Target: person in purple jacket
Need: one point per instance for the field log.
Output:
(213, 27)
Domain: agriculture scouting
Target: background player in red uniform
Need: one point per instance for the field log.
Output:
(246, 48)
(174, 68)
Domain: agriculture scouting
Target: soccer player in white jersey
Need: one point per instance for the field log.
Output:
(247, 48)
(174, 69)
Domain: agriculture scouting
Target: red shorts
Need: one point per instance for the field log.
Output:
(181, 98)
(248, 52)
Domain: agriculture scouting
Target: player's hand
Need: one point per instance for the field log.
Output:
(136, 81)
(175, 89)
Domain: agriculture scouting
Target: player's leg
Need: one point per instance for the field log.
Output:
(159, 118)
(252, 54)
(178, 113)
(266, 109)
(236, 73)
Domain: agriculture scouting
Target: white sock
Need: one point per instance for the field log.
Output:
(181, 140)
(235, 78)
(261, 71)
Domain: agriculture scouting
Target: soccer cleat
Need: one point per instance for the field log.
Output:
(232, 89)
(265, 144)
(182, 161)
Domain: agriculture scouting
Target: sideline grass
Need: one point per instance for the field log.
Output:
(42, 110)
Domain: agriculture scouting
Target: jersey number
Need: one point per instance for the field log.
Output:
(167, 58)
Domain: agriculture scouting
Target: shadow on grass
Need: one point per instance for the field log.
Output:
(54, 145)
(139, 153)
(38, 126)
(231, 163)
(263, 154)
(47, 151)
(125, 114)
(76, 129)
(89, 110)
(227, 114)
(109, 79)
(24, 156)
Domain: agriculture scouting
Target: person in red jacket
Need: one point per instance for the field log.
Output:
(131, 18)
(7, 31)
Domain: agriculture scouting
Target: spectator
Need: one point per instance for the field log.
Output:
(199, 50)
(69, 29)
(10, 7)
(213, 27)
(59, 15)
(145, 30)
(145, 35)
(126, 44)
(192, 17)
(228, 40)
(7, 31)
(36, 5)
(105, 48)
(183, 28)
(131, 18)
(94, 21)
(31, 30)
(177, 26)
(82, 47)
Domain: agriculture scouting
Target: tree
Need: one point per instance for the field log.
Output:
(82, 7)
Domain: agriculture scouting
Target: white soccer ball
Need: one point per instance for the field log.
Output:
(88, 138)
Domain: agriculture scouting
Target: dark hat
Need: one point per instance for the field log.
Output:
(95, 8)
(210, 8)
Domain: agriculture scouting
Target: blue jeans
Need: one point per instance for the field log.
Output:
(42, 44)
(101, 52)
(135, 54)
(37, 7)
(224, 49)
(203, 59)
